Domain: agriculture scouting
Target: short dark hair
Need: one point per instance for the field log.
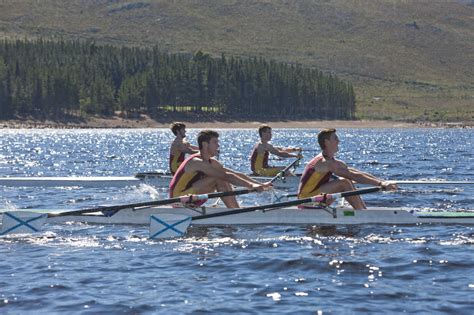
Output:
(176, 126)
(324, 135)
(263, 128)
(206, 136)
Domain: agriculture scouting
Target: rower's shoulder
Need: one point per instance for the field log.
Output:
(179, 144)
(267, 146)
(215, 162)
(258, 147)
(176, 141)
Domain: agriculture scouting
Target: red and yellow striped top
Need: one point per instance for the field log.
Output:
(183, 181)
(311, 180)
(175, 160)
(258, 161)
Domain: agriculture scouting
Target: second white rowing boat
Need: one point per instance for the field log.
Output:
(153, 179)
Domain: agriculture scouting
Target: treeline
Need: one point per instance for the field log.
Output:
(52, 78)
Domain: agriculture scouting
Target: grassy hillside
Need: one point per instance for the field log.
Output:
(407, 59)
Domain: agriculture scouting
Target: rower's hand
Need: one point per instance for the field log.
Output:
(299, 156)
(291, 149)
(258, 187)
(268, 185)
(387, 185)
(262, 187)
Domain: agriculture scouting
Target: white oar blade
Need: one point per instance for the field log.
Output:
(168, 225)
(17, 222)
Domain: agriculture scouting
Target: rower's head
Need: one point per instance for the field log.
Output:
(328, 139)
(178, 128)
(208, 140)
(265, 132)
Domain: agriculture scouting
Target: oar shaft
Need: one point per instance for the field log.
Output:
(182, 199)
(432, 182)
(283, 171)
(118, 207)
(318, 198)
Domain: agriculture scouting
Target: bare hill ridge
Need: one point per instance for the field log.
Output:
(407, 59)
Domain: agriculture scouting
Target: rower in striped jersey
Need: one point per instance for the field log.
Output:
(179, 147)
(316, 177)
(201, 173)
(261, 151)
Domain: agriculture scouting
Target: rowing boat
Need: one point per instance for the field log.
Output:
(282, 216)
(166, 221)
(153, 179)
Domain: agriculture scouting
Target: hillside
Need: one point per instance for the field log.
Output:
(407, 59)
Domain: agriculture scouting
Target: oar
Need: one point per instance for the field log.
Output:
(152, 174)
(431, 182)
(282, 173)
(29, 221)
(406, 182)
(173, 225)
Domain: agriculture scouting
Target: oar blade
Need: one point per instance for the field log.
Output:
(168, 225)
(18, 222)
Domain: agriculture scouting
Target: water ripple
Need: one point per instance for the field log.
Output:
(371, 269)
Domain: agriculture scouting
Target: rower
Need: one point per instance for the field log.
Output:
(201, 173)
(261, 150)
(179, 146)
(316, 178)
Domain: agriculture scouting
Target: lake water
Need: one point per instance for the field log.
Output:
(91, 269)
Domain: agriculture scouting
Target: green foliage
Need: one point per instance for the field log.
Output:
(5, 102)
(46, 78)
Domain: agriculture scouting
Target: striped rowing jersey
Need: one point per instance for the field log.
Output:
(311, 180)
(258, 161)
(182, 182)
(176, 158)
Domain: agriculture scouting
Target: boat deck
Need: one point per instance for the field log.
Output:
(283, 216)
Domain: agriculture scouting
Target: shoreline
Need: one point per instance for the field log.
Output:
(146, 122)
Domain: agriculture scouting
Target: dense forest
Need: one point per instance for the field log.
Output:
(43, 78)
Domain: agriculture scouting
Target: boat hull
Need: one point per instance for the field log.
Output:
(153, 179)
(284, 216)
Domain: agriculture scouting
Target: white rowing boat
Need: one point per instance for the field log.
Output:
(153, 179)
(166, 221)
(102, 181)
(282, 216)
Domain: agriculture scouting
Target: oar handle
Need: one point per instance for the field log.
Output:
(191, 198)
(318, 198)
(338, 195)
(355, 192)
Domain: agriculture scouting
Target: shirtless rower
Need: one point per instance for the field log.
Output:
(179, 147)
(316, 177)
(202, 174)
(261, 150)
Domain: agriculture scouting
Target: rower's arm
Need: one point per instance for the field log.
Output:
(340, 169)
(242, 176)
(192, 147)
(281, 152)
(288, 150)
(368, 175)
(256, 184)
(187, 148)
(218, 171)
